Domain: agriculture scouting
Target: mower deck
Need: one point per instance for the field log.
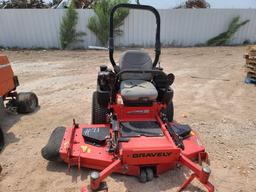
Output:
(135, 151)
(88, 146)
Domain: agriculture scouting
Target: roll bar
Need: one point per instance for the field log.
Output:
(111, 30)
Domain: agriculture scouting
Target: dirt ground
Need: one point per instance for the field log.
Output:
(210, 95)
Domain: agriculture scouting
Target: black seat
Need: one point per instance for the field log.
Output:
(136, 86)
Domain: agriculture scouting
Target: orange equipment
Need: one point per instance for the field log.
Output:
(25, 102)
(8, 82)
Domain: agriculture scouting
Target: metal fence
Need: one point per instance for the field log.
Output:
(39, 28)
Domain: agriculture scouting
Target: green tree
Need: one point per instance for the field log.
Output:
(99, 24)
(195, 4)
(68, 33)
(23, 4)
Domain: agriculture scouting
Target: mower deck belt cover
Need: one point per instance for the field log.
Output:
(95, 135)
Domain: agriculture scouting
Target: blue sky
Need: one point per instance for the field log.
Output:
(166, 4)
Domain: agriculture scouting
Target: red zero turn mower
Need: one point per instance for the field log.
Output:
(132, 130)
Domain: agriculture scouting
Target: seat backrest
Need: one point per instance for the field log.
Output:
(135, 59)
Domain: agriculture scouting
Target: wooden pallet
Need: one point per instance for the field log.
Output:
(251, 61)
(251, 50)
(250, 66)
(249, 79)
(251, 71)
(251, 75)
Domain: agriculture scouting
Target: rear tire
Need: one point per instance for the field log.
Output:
(99, 113)
(26, 102)
(169, 111)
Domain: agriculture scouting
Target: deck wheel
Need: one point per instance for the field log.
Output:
(143, 176)
(149, 173)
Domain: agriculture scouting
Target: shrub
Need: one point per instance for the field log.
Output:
(99, 24)
(68, 33)
(224, 38)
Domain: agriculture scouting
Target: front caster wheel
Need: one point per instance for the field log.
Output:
(150, 174)
(143, 176)
(95, 185)
(146, 174)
